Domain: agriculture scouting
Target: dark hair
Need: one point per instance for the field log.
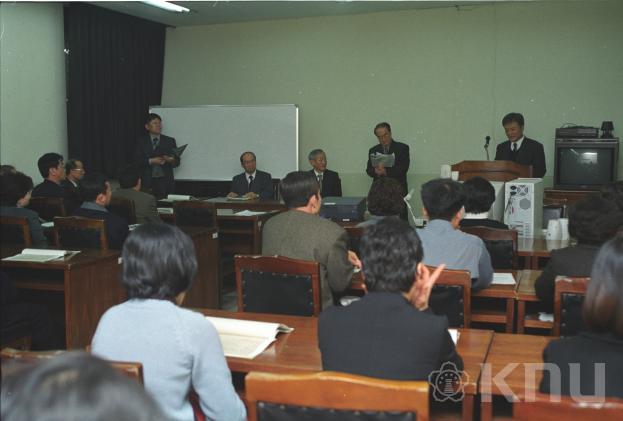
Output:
(297, 187)
(383, 125)
(513, 117)
(603, 305)
(614, 193)
(47, 161)
(6, 168)
(442, 198)
(129, 176)
(14, 186)
(313, 154)
(244, 153)
(92, 185)
(479, 195)
(159, 262)
(75, 386)
(152, 116)
(594, 220)
(71, 165)
(390, 251)
(385, 197)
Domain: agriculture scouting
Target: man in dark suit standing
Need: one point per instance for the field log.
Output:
(518, 148)
(156, 158)
(330, 183)
(252, 183)
(388, 146)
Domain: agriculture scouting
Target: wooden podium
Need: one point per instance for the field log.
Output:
(492, 170)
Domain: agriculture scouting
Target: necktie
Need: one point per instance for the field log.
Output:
(514, 147)
(250, 179)
(320, 181)
(154, 142)
(385, 149)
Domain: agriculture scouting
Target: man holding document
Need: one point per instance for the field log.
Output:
(389, 158)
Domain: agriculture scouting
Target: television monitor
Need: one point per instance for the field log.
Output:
(585, 163)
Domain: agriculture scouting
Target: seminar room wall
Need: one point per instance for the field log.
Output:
(443, 78)
(33, 117)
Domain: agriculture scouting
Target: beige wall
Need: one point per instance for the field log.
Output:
(442, 77)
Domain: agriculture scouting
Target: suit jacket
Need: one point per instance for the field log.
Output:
(489, 223)
(301, 235)
(144, 205)
(401, 165)
(383, 335)
(34, 224)
(74, 193)
(50, 189)
(144, 150)
(587, 349)
(331, 183)
(116, 226)
(530, 153)
(569, 261)
(262, 184)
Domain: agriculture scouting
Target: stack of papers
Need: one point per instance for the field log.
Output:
(503, 279)
(246, 338)
(40, 255)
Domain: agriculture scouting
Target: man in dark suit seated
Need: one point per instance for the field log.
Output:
(330, 183)
(52, 169)
(389, 333)
(96, 192)
(252, 183)
(74, 172)
(518, 148)
(479, 197)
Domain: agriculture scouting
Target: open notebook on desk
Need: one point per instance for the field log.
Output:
(41, 255)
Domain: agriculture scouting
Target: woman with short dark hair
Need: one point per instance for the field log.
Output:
(15, 190)
(578, 357)
(178, 348)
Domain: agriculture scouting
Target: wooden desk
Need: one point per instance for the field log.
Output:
(242, 234)
(526, 293)
(298, 351)
(206, 290)
(89, 283)
(505, 350)
(533, 248)
(503, 292)
(253, 205)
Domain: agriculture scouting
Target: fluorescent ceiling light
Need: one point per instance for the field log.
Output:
(167, 6)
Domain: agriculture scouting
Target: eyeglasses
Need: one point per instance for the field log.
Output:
(78, 169)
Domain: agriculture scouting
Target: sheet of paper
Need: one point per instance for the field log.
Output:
(30, 258)
(546, 317)
(49, 224)
(503, 279)
(250, 213)
(238, 199)
(166, 211)
(454, 334)
(244, 346)
(175, 197)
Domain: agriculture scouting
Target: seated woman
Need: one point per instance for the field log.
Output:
(599, 351)
(15, 189)
(385, 198)
(592, 221)
(480, 196)
(179, 349)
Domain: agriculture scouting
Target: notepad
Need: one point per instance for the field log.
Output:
(503, 279)
(40, 255)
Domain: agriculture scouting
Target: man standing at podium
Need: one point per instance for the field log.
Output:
(518, 148)
(388, 146)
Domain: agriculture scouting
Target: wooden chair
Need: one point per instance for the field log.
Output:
(124, 208)
(277, 284)
(78, 232)
(547, 408)
(332, 396)
(451, 297)
(569, 295)
(501, 244)
(194, 213)
(48, 207)
(15, 230)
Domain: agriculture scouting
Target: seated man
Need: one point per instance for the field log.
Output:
(443, 242)
(74, 172)
(480, 196)
(384, 199)
(388, 333)
(330, 183)
(52, 169)
(144, 203)
(300, 233)
(96, 192)
(252, 183)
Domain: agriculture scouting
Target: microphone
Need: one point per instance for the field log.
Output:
(487, 140)
(406, 200)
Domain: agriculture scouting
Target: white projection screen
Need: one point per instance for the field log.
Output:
(217, 134)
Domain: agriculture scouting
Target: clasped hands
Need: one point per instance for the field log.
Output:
(161, 160)
(249, 195)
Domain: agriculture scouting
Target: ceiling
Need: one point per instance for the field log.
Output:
(220, 12)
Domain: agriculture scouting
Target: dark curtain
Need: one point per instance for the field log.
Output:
(114, 73)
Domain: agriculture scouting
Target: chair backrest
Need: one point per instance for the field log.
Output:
(451, 297)
(15, 230)
(501, 244)
(78, 232)
(124, 208)
(278, 285)
(569, 295)
(194, 213)
(48, 207)
(133, 370)
(551, 408)
(333, 396)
